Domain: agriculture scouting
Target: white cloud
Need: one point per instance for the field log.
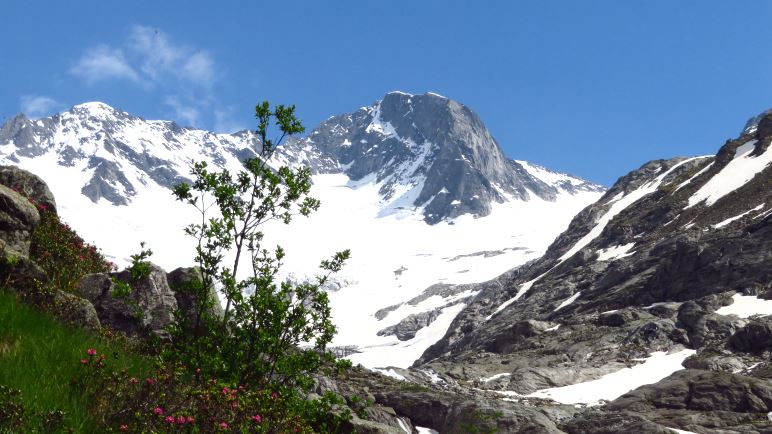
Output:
(155, 53)
(187, 113)
(199, 68)
(37, 106)
(224, 122)
(103, 63)
(153, 60)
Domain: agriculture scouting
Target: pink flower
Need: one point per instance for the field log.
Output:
(225, 390)
(169, 419)
(150, 381)
(223, 425)
(124, 427)
(132, 380)
(91, 352)
(181, 420)
(274, 395)
(158, 410)
(257, 418)
(84, 361)
(191, 419)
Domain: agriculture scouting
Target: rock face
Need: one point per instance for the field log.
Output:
(425, 152)
(648, 268)
(29, 185)
(145, 305)
(18, 218)
(181, 281)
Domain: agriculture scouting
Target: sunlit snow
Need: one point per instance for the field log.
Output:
(734, 175)
(383, 235)
(568, 301)
(737, 217)
(745, 306)
(609, 387)
(615, 252)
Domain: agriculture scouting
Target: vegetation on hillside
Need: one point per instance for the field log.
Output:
(249, 370)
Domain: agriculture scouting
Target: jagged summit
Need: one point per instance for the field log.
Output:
(427, 153)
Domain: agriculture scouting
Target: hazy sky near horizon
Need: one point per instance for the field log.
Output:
(593, 88)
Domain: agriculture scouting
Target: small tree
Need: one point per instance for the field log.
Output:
(257, 340)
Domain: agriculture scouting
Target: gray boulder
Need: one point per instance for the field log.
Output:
(147, 305)
(18, 218)
(28, 184)
(75, 310)
(755, 337)
(183, 281)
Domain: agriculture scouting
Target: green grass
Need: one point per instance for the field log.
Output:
(40, 356)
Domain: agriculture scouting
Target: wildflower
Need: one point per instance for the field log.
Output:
(198, 371)
(124, 427)
(223, 425)
(150, 381)
(91, 352)
(257, 418)
(225, 390)
(181, 420)
(191, 419)
(84, 361)
(132, 380)
(169, 419)
(158, 410)
(274, 395)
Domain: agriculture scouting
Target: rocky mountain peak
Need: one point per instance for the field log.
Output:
(428, 153)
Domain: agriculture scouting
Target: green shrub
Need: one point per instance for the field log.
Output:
(63, 254)
(172, 399)
(258, 340)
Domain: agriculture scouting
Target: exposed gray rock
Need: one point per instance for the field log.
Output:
(701, 390)
(147, 306)
(29, 185)
(755, 337)
(428, 142)
(183, 281)
(75, 310)
(409, 326)
(18, 218)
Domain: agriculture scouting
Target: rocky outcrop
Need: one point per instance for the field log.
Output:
(29, 185)
(133, 306)
(755, 337)
(436, 146)
(18, 218)
(185, 283)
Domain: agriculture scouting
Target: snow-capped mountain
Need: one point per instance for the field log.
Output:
(414, 185)
(654, 307)
(427, 151)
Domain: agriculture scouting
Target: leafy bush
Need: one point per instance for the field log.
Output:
(257, 341)
(174, 400)
(62, 253)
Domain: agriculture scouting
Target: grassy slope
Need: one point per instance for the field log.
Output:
(39, 356)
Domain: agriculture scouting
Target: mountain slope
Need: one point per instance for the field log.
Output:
(665, 271)
(427, 151)
(382, 173)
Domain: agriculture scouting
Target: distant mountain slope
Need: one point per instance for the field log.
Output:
(664, 272)
(382, 173)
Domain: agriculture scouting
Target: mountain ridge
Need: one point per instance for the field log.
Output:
(426, 152)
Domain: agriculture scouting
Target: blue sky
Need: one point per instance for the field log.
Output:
(593, 88)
